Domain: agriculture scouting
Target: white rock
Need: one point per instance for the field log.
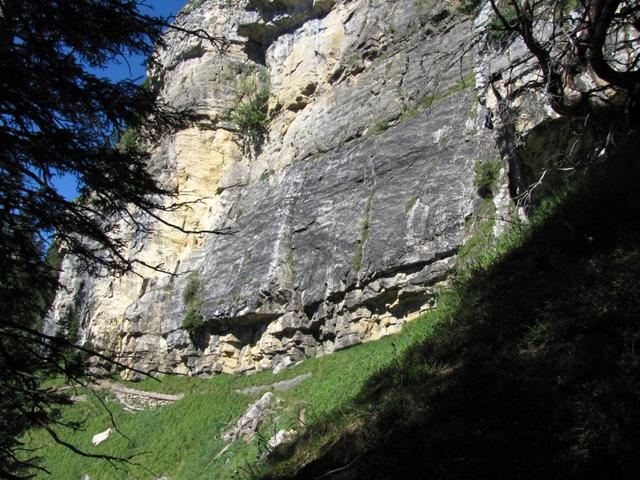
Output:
(282, 364)
(283, 437)
(98, 438)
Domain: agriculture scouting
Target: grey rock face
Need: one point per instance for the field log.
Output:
(274, 17)
(387, 211)
(339, 223)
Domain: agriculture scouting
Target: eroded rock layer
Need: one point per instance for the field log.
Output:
(338, 216)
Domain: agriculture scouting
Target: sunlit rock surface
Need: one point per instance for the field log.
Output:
(337, 224)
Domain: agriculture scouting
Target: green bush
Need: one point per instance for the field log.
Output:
(251, 112)
(468, 6)
(193, 319)
(192, 289)
(379, 127)
(497, 32)
(486, 177)
(194, 51)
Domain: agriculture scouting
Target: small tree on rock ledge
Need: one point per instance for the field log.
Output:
(587, 51)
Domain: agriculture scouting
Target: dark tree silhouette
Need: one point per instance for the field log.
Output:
(581, 59)
(587, 51)
(56, 117)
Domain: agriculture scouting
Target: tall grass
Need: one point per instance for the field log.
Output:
(527, 368)
(531, 368)
(182, 440)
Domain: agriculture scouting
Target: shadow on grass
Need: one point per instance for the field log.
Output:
(535, 372)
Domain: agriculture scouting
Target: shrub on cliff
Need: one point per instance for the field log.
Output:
(251, 115)
(486, 177)
(193, 320)
(251, 112)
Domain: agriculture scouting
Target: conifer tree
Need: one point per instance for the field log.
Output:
(57, 117)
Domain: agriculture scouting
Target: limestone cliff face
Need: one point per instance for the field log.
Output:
(338, 220)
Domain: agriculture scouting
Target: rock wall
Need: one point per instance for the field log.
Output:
(338, 220)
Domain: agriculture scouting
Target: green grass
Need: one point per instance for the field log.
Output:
(480, 230)
(479, 227)
(409, 204)
(378, 128)
(424, 103)
(427, 102)
(527, 368)
(181, 440)
(531, 369)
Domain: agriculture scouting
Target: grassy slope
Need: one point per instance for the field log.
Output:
(182, 439)
(536, 371)
(529, 368)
